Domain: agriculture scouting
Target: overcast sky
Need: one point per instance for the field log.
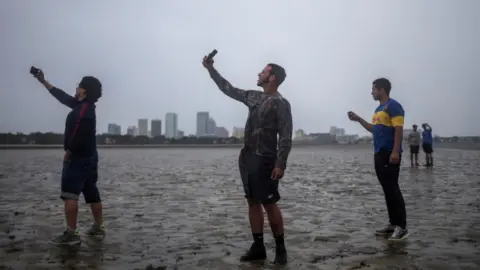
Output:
(148, 55)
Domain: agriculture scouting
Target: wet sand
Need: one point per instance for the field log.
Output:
(184, 209)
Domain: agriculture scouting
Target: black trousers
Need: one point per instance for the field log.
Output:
(387, 175)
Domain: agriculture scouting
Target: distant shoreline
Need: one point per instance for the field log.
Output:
(457, 146)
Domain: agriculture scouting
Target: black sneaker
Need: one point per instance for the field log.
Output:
(389, 229)
(255, 253)
(398, 234)
(280, 255)
(67, 238)
(96, 230)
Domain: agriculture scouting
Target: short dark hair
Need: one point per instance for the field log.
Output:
(383, 83)
(279, 73)
(93, 88)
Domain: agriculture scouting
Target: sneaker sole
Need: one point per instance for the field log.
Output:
(399, 239)
(98, 237)
(383, 233)
(73, 243)
(95, 234)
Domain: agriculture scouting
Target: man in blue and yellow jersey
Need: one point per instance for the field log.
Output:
(387, 130)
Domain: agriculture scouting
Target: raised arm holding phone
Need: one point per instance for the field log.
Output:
(261, 163)
(427, 144)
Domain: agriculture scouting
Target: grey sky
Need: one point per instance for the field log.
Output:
(148, 56)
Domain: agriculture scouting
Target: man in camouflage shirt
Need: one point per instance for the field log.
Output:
(261, 164)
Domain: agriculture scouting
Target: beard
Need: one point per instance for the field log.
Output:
(261, 83)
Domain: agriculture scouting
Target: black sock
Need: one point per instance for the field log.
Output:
(279, 240)
(258, 238)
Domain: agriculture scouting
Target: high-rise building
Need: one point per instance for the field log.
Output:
(171, 125)
(221, 132)
(143, 127)
(156, 127)
(299, 134)
(238, 132)
(114, 129)
(202, 123)
(211, 127)
(334, 131)
(132, 131)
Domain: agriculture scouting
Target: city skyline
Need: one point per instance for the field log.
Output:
(206, 126)
(428, 49)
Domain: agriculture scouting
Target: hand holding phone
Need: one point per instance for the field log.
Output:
(211, 55)
(37, 73)
(208, 60)
(353, 116)
(34, 71)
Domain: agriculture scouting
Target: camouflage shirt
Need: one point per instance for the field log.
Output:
(269, 115)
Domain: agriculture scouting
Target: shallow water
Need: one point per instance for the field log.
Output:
(184, 209)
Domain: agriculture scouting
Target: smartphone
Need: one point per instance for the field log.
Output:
(34, 71)
(212, 54)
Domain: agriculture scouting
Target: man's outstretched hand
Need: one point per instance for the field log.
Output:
(353, 116)
(277, 174)
(207, 63)
(40, 76)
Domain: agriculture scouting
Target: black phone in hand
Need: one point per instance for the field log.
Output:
(211, 55)
(34, 71)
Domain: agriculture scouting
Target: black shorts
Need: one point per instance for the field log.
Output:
(414, 149)
(427, 148)
(80, 176)
(256, 172)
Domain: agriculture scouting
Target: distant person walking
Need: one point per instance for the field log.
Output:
(427, 144)
(387, 130)
(261, 164)
(79, 174)
(414, 142)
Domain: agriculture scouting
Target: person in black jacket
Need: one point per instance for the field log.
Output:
(80, 164)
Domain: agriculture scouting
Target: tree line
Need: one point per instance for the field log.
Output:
(50, 138)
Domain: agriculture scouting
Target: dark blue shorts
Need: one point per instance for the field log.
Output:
(80, 175)
(427, 148)
(256, 173)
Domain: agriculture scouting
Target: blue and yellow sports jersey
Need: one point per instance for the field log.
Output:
(386, 117)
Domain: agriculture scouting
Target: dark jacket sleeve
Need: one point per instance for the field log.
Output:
(84, 127)
(285, 130)
(63, 97)
(247, 97)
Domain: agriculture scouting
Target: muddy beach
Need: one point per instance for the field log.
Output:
(184, 209)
